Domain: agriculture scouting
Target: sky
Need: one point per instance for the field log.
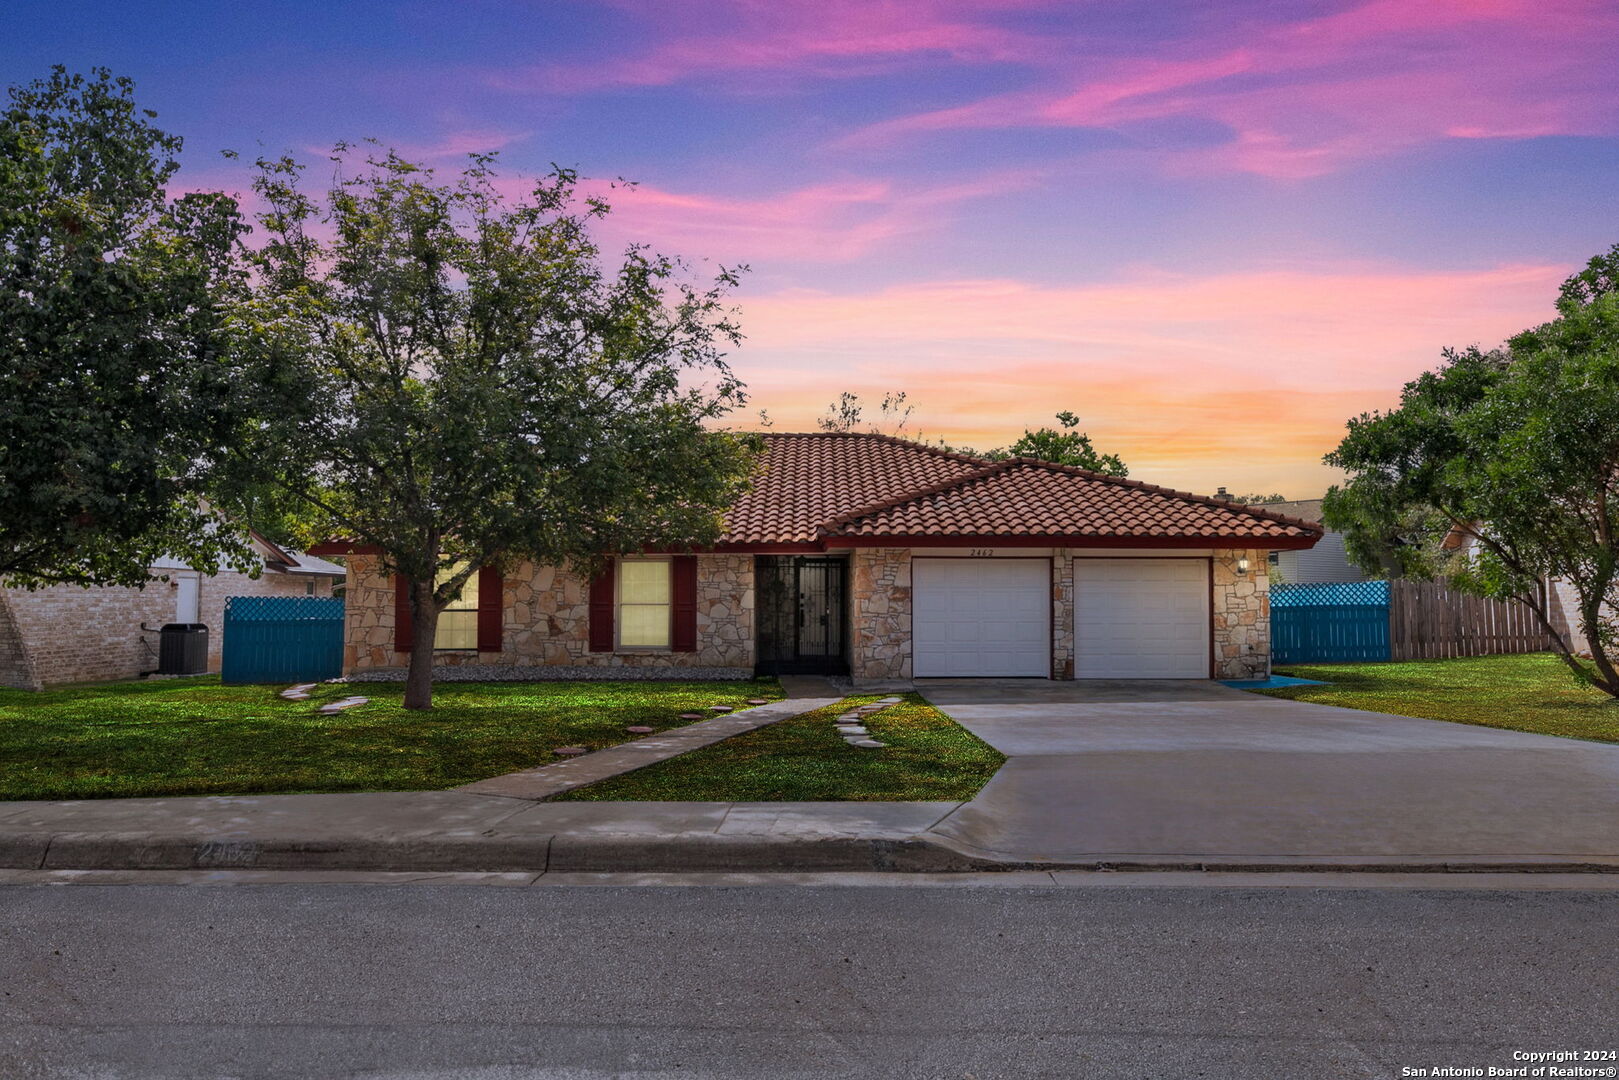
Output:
(1213, 230)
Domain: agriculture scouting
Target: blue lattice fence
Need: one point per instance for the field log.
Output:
(282, 639)
(1329, 623)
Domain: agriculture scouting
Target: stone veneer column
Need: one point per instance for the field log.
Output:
(1062, 614)
(880, 619)
(1241, 615)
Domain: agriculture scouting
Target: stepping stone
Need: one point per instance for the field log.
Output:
(339, 706)
(852, 729)
(640, 729)
(853, 739)
(296, 693)
(868, 744)
(296, 697)
(690, 716)
(758, 701)
(719, 708)
(569, 751)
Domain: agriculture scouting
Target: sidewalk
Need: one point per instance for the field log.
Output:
(457, 831)
(453, 831)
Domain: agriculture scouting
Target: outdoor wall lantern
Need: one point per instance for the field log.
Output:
(1242, 565)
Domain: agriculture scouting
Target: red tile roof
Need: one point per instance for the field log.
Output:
(805, 481)
(853, 487)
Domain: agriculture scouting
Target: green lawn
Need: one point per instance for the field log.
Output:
(929, 756)
(197, 737)
(1533, 692)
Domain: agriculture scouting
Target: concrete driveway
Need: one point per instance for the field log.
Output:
(1161, 769)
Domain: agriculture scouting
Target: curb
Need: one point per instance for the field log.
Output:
(682, 853)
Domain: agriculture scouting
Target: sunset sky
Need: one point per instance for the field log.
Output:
(1214, 230)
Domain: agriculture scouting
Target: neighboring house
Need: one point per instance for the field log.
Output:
(886, 560)
(74, 633)
(1327, 561)
(1563, 603)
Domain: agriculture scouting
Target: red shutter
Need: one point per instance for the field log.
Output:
(403, 631)
(684, 582)
(491, 610)
(601, 611)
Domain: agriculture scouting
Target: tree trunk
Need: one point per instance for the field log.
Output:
(423, 625)
(1607, 679)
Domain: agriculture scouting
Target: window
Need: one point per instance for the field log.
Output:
(644, 606)
(309, 588)
(458, 622)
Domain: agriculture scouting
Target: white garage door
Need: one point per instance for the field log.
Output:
(981, 617)
(1141, 618)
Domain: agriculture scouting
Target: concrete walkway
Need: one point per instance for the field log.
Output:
(550, 780)
(1187, 773)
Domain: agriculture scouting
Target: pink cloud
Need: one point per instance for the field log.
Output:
(1238, 378)
(831, 37)
(833, 221)
(1306, 98)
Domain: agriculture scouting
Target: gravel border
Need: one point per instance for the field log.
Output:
(559, 673)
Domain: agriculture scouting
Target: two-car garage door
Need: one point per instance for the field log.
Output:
(1133, 618)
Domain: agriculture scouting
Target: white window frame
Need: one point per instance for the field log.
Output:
(458, 607)
(619, 605)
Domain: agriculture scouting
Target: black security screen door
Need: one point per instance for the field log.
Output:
(802, 606)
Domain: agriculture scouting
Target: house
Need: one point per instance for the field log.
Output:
(1327, 561)
(74, 633)
(883, 559)
(1562, 601)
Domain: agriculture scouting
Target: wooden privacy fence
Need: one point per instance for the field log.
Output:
(1428, 621)
(1394, 620)
(279, 639)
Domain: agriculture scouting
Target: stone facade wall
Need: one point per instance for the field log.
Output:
(71, 633)
(547, 620)
(880, 613)
(1062, 614)
(1241, 616)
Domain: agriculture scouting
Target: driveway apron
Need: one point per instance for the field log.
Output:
(1193, 768)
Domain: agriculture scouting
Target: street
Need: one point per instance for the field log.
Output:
(484, 983)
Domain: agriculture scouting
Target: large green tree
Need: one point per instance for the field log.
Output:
(116, 386)
(1516, 449)
(477, 384)
(1065, 446)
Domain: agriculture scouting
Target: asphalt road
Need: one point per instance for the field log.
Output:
(493, 983)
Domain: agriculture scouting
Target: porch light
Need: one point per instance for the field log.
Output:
(1242, 565)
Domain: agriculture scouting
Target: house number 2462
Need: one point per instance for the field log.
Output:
(981, 553)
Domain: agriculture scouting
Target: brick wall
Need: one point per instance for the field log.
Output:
(16, 666)
(547, 620)
(1564, 608)
(70, 633)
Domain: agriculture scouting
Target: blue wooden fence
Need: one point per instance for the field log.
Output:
(282, 639)
(1329, 623)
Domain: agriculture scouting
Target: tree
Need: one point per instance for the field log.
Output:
(475, 387)
(1065, 447)
(116, 388)
(1258, 500)
(1516, 448)
(847, 414)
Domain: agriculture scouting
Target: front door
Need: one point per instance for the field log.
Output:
(802, 609)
